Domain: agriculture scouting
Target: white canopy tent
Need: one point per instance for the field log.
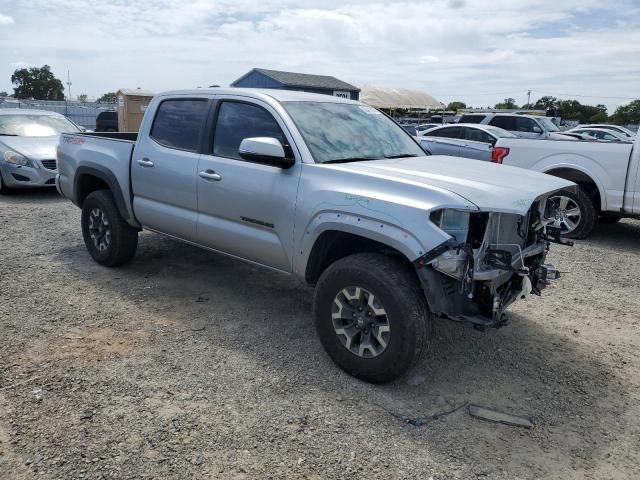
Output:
(382, 97)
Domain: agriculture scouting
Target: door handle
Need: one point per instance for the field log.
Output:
(210, 175)
(145, 162)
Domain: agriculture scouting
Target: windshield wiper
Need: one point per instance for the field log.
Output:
(402, 155)
(8, 134)
(351, 159)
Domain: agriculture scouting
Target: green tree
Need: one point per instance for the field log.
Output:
(600, 117)
(574, 110)
(109, 97)
(83, 97)
(507, 104)
(545, 102)
(4, 94)
(37, 83)
(629, 113)
(455, 106)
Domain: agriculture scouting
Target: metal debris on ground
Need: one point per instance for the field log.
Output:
(500, 417)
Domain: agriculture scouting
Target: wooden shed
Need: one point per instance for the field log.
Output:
(132, 103)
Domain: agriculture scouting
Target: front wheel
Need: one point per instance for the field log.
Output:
(573, 213)
(110, 240)
(371, 316)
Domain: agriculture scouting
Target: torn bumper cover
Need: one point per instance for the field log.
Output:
(491, 260)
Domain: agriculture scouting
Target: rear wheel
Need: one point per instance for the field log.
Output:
(371, 316)
(109, 239)
(574, 213)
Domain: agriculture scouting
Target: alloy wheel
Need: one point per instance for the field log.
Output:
(360, 321)
(567, 213)
(99, 229)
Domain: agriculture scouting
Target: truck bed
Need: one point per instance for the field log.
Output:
(129, 136)
(103, 154)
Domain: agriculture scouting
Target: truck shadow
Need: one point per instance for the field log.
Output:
(264, 319)
(621, 236)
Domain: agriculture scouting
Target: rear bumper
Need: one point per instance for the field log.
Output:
(15, 176)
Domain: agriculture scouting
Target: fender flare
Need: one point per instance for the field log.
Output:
(572, 166)
(104, 174)
(394, 237)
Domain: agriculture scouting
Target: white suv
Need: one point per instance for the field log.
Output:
(525, 126)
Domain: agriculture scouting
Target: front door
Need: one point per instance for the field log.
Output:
(165, 165)
(247, 209)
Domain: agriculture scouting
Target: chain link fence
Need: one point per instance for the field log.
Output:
(81, 113)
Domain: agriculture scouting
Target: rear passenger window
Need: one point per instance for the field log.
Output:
(507, 123)
(525, 125)
(447, 132)
(477, 135)
(237, 121)
(178, 123)
(471, 119)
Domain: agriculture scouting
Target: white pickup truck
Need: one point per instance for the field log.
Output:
(331, 191)
(607, 173)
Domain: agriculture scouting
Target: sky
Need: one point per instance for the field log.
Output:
(477, 51)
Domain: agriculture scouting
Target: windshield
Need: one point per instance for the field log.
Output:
(548, 124)
(35, 125)
(343, 131)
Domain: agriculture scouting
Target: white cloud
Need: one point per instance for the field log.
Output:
(5, 19)
(21, 64)
(471, 50)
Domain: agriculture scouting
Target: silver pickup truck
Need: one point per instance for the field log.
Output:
(331, 191)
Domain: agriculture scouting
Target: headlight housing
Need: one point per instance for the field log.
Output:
(17, 159)
(453, 222)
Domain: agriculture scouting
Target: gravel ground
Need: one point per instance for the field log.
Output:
(185, 364)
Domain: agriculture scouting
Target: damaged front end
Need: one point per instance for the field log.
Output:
(491, 260)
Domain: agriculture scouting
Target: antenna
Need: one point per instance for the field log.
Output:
(69, 84)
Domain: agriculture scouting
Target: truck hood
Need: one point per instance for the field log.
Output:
(32, 147)
(489, 186)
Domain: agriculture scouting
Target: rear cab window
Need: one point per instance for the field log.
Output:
(179, 123)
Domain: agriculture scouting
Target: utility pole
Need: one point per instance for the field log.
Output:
(529, 98)
(69, 84)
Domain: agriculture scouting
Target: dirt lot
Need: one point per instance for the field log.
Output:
(186, 364)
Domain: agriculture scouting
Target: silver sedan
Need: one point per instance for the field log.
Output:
(469, 140)
(28, 141)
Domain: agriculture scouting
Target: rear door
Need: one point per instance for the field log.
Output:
(477, 143)
(246, 209)
(444, 141)
(165, 165)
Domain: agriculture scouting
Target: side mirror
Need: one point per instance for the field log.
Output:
(266, 150)
(537, 129)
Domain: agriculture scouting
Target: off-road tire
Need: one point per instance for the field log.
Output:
(395, 284)
(123, 239)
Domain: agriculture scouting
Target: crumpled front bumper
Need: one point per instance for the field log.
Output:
(500, 260)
